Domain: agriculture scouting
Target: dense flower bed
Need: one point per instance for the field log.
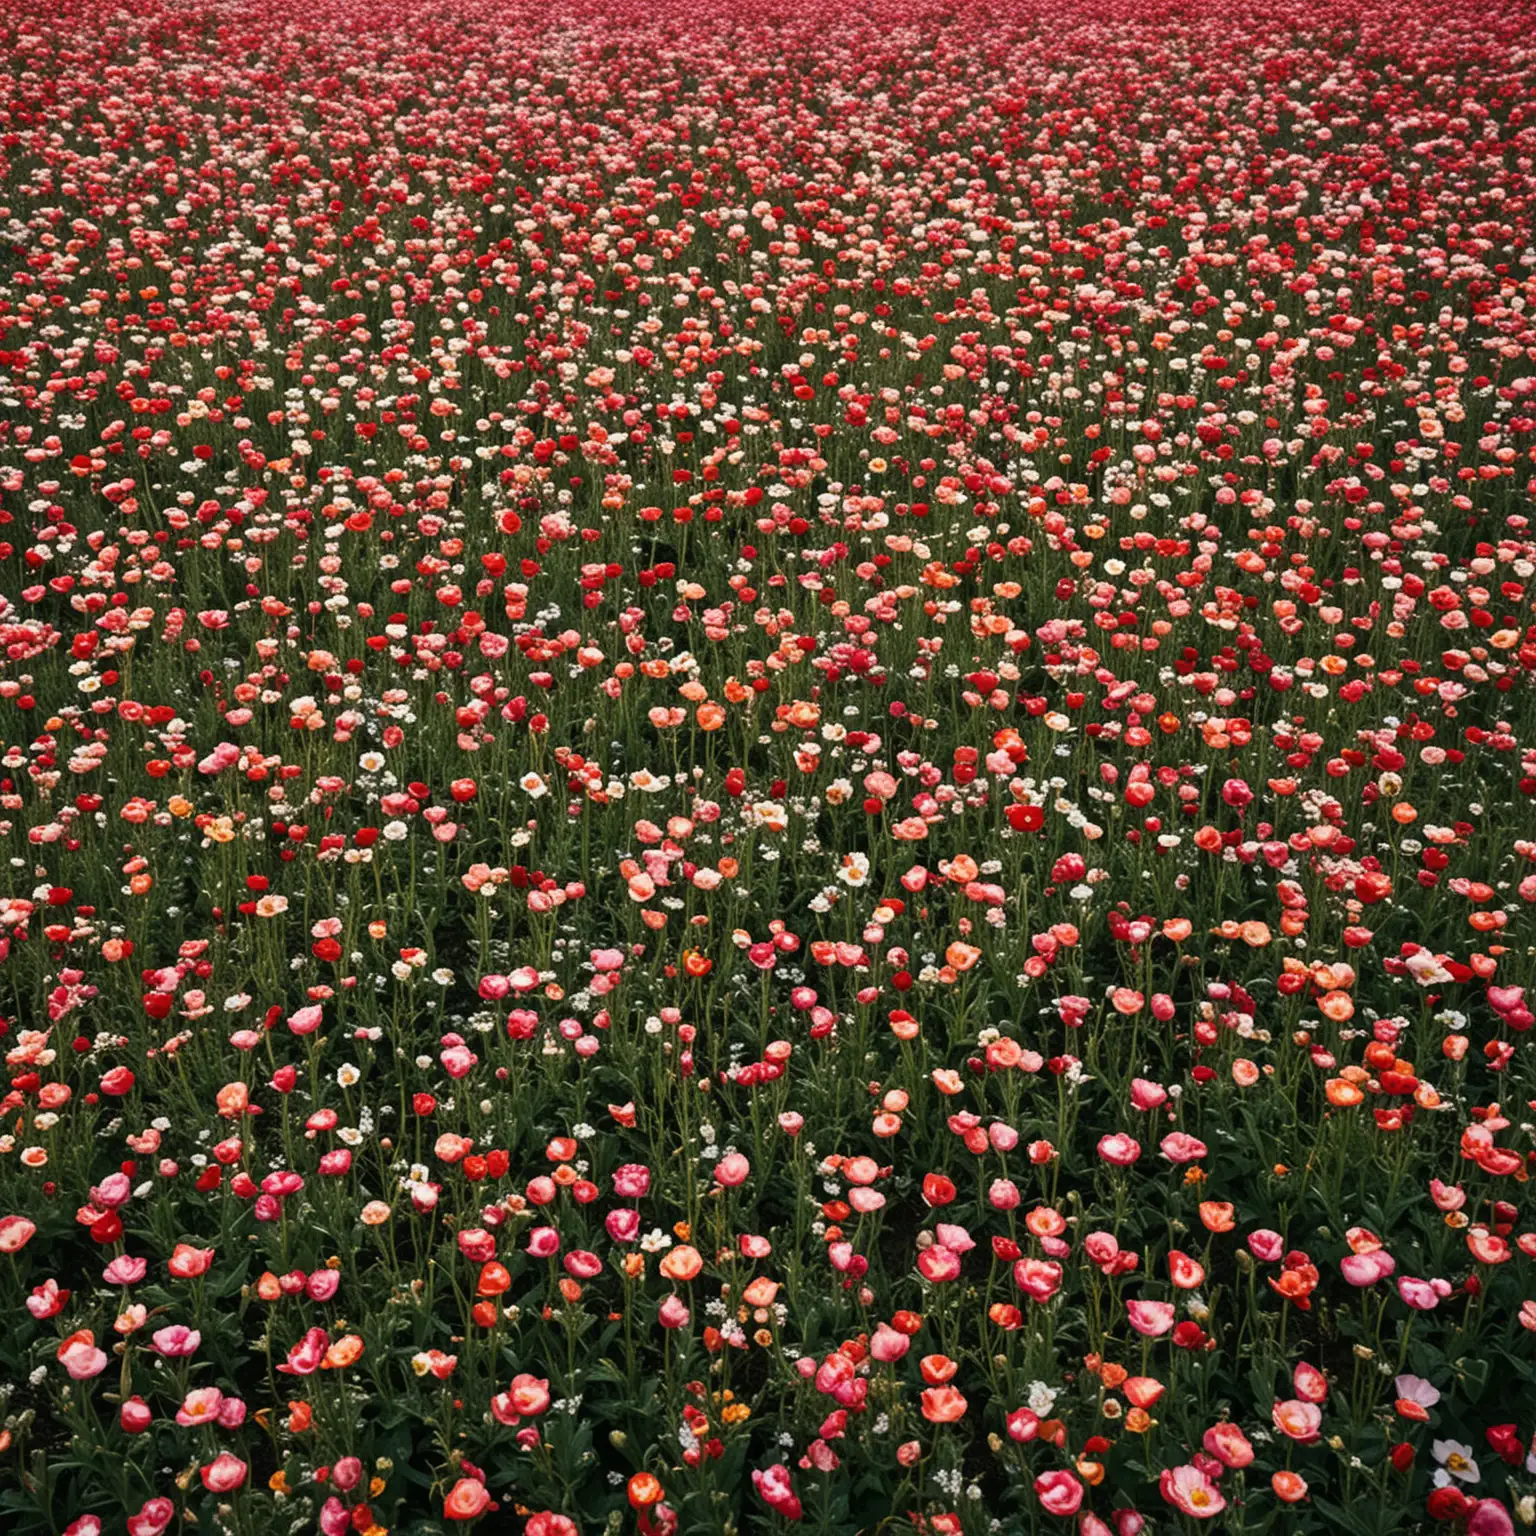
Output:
(767, 767)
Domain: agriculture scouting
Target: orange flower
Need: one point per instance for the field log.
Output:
(1218, 1215)
(682, 1263)
(346, 1351)
(962, 956)
(943, 1405)
(937, 1369)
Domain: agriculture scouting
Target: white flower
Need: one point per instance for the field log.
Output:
(1455, 1461)
(533, 786)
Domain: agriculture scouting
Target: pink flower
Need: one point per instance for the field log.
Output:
(1363, 1269)
(15, 1233)
(1179, 1147)
(776, 1490)
(1059, 1492)
(176, 1342)
(543, 1242)
(631, 1181)
(1119, 1149)
(304, 1357)
(1151, 1319)
(307, 1020)
(153, 1517)
(1422, 1295)
(1191, 1492)
(1039, 1279)
(224, 1473)
(1266, 1246)
(124, 1270)
(1298, 1420)
(200, 1406)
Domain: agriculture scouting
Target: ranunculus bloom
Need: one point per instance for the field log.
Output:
(1151, 1319)
(224, 1473)
(1059, 1492)
(467, 1500)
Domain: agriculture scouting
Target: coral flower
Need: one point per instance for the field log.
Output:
(943, 1405)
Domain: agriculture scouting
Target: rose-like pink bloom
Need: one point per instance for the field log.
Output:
(1023, 1425)
(200, 1406)
(1489, 1518)
(1191, 1492)
(732, 1170)
(1151, 1319)
(777, 1491)
(80, 1357)
(304, 1357)
(1229, 1445)
(135, 1416)
(153, 1517)
(112, 1192)
(306, 1020)
(583, 1264)
(543, 1242)
(1003, 1195)
(673, 1312)
(1299, 1421)
(177, 1341)
(1039, 1279)
(1179, 1147)
(224, 1473)
(888, 1344)
(1147, 1095)
(953, 1237)
(1266, 1246)
(1363, 1269)
(335, 1518)
(938, 1263)
(1119, 1149)
(1422, 1295)
(1059, 1492)
(125, 1270)
(631, 1181)
(622, 1225)
(548, 1523)
(46, 1300)
(15, 1233)
(322, 1284)
(467, 1500)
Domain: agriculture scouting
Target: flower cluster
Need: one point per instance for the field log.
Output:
(767, 768)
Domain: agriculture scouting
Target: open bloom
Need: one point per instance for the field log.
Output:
(1191, 1492)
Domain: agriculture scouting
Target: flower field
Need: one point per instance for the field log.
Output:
(768, 768)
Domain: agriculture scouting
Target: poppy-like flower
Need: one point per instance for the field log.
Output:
(1415, 1397)
(1456, 1461)
(1151, 1319)
(80, 1357)
(1191, 1492)
(943, 1405)
(15, 1233)
(1298, 1421)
